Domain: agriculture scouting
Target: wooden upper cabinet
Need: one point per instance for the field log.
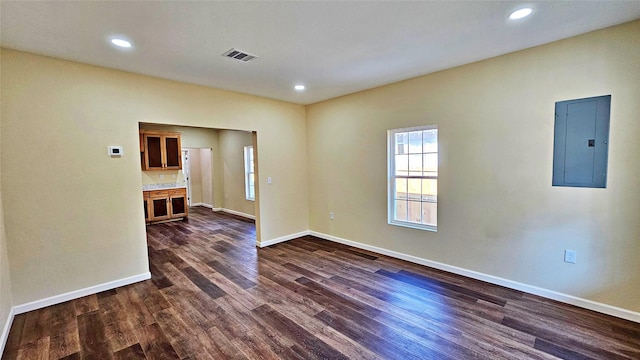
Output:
(162, 150)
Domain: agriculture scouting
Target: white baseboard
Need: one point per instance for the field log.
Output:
(6, 329)
(203, 205)
(57, 299)
(228, 211)
(549, 294)
(282, 239)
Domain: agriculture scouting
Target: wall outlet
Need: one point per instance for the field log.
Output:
(570, 256)
(331, 215)
(269, 180)
(226, 196)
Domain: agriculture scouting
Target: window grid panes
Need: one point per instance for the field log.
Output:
(249, 178)
(413, 176)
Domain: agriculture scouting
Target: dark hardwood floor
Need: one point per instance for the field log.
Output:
(214, 295)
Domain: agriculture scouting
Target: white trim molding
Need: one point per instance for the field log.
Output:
(6, 329)
(233, 212)
(203, 205)
(549, 294)
(282, 239)
(57, 299)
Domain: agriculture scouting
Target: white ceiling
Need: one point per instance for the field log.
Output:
(334, 48)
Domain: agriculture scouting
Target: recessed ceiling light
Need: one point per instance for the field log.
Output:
(121, 43)
(520, 13)
(299, 87)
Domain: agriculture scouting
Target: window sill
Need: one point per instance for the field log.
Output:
(414, 226)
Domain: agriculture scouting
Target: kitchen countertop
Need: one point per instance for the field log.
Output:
(164, 186)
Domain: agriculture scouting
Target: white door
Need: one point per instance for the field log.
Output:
(186, 170)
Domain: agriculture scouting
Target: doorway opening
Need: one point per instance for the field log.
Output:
(197, 167)
(211, 173)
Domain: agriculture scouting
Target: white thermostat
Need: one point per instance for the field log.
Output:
(115, 150)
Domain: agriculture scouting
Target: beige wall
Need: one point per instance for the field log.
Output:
(162, 177)
(6, 297)
(73, 215)
(232, 145)
(498, 213)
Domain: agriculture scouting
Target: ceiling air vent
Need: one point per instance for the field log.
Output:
(239, 55)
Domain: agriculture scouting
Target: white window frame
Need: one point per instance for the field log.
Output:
(391, 179)
(248, 171)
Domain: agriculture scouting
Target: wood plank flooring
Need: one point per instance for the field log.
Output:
(214, 295)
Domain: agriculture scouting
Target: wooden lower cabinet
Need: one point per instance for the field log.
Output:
(178, 202)
(145, 202)
(159, 205)
(165, 204)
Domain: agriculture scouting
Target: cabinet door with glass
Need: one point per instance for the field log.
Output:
(162, 151)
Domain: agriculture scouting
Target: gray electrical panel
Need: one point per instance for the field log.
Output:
(581, 142)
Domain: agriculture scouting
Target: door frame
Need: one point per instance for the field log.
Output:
(186, 169)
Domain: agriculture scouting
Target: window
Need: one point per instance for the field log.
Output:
(249, 178)
(413, 177)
